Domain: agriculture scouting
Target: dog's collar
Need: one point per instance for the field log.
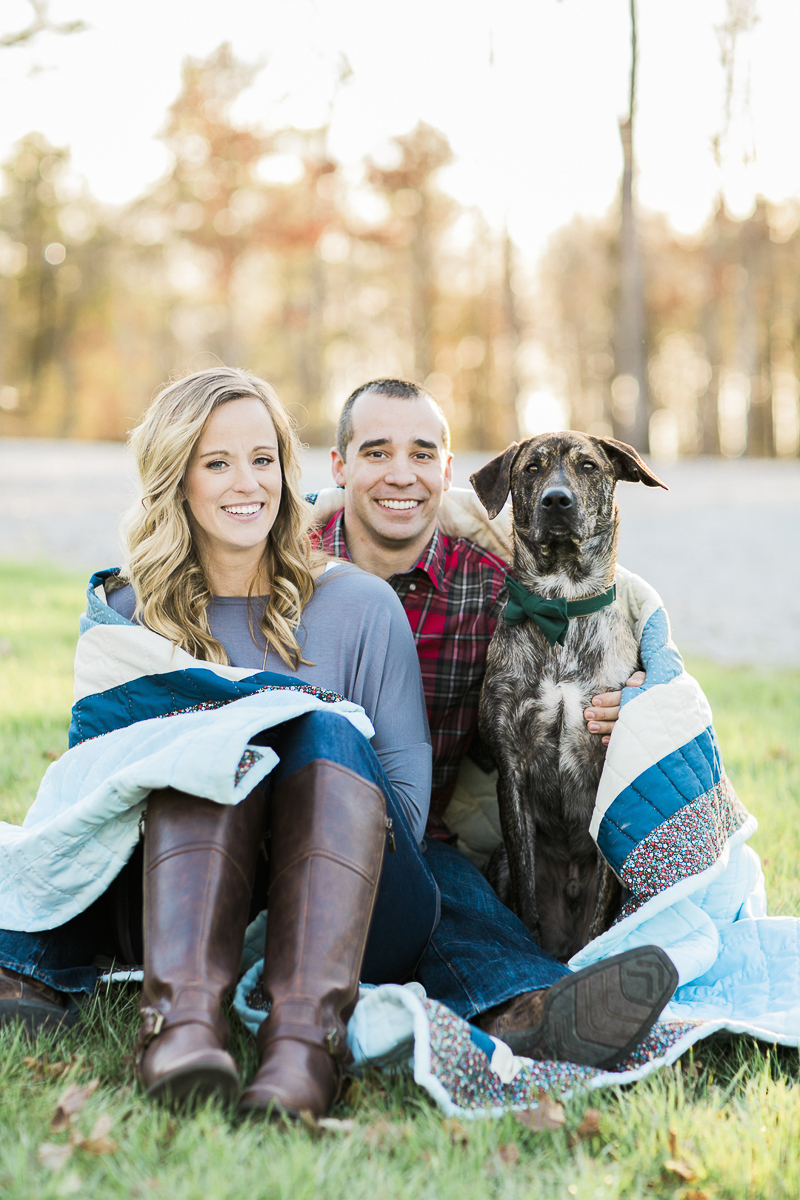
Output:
(552, 615)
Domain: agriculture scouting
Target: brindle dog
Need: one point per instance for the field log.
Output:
(548, 869)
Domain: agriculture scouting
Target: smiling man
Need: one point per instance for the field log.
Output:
(392, 457)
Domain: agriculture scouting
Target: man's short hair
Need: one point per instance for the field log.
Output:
(395, 389)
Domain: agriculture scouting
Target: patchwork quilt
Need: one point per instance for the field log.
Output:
(670, 824)
(146, 716)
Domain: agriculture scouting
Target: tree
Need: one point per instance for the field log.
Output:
(631, 419)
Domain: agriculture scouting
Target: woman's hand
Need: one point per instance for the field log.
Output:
(605, 708)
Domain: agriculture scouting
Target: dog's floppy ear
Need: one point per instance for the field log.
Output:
(493, 481)
(627, 463)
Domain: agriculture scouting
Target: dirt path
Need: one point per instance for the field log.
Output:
(722, 546)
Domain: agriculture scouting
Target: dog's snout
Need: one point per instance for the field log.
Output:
(557, 499)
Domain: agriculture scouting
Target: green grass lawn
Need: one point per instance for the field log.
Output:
(728, 1116)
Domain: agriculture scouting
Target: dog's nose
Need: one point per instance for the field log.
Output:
(557, 498)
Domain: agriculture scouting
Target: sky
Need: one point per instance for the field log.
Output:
(529, 93)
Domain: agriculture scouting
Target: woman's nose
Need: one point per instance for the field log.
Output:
(246, 481)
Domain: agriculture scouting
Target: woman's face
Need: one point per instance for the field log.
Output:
(233, 484)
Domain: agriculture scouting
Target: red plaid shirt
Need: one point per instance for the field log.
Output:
(452, 598)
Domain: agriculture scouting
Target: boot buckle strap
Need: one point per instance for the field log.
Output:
(155, 1022)
(331, 1040)
(152, 1024)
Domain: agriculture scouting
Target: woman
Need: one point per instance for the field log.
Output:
(225, 603)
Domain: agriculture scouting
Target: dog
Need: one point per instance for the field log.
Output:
(541, 676)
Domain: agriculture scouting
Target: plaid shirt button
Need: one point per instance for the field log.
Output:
(458, 596)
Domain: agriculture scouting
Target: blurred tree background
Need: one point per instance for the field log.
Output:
(258, 250)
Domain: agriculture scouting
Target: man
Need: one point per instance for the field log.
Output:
(393, 460)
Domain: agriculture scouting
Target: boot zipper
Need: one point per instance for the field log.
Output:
(390, 835)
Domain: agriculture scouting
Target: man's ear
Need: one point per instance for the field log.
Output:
(627, 464)
(493, 481)
(338, 467)
(448, 471)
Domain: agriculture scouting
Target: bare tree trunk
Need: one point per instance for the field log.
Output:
(423, 292)
(758, 302)
(509, 361)
(631, 359)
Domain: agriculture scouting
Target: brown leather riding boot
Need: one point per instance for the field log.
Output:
(328, 831)
(199, 863)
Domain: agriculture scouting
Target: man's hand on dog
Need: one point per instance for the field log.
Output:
(605, 708)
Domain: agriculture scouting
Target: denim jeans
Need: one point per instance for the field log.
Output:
(480, 953)
(406, 909)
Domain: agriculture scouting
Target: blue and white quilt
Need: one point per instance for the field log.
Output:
(146, 716)
(671, 826)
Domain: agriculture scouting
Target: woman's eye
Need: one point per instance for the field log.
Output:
(216, 464)
(263, 460)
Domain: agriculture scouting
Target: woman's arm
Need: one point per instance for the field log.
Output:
(373, 637)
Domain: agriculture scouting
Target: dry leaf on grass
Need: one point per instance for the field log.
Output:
(44, 1069)
(695, 1194)
(672, 1141)
(588, 1128)
(508, 1154)
(53, 1156)
(548, 1115)
(682, 1169)
(51, 755)
(455, 1131)
(98, 1141)
(71, 1103)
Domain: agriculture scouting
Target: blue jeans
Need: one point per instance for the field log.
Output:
(406, 909)
(480, 953)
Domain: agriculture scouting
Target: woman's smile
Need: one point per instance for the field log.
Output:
(233, 485)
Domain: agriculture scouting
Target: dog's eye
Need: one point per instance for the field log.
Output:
(532, 468)
(588, 466)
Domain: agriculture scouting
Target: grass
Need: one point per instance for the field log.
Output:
(728, 1115)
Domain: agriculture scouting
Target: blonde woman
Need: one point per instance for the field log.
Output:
(225, 683)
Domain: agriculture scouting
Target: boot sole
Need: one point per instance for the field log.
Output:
(193, 1085)
(597, 1016)
(35, 1016)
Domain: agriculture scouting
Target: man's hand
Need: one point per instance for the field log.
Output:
(605, 708)
(328, 503)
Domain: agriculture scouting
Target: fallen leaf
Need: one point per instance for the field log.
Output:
(672, 1141)
(455, 1131)
(589, 1126)
(98, 1141)
(508, 1154)
(52, 1156)
(682, 1169)
(51, 755)
(333, 1125)
(71, 1103)
(548, 1115)
(43, 1069)
(695, 1194)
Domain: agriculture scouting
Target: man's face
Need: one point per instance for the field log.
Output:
(395, 471)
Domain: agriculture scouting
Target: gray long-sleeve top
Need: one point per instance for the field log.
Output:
(356, 635)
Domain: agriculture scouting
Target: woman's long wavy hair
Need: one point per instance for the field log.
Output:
(164, 568)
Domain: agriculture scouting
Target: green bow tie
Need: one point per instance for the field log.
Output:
(551, 615)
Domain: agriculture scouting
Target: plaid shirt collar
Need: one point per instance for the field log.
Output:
(432, 560)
